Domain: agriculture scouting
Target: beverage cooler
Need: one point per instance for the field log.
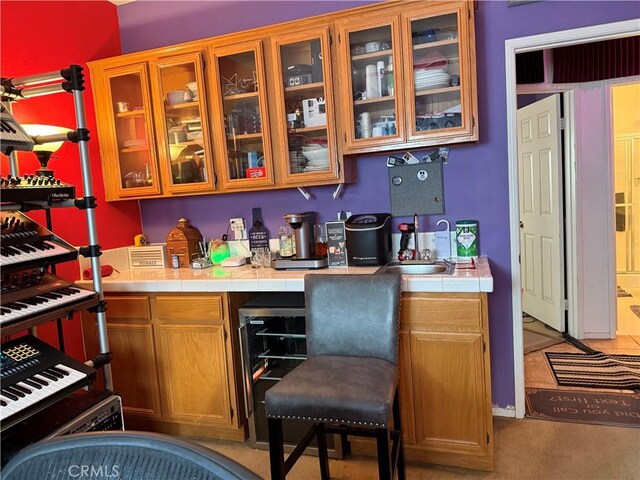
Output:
(273, 342)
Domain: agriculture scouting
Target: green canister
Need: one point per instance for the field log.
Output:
(467, 239)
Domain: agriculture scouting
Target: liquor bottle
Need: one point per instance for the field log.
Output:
(258, 234)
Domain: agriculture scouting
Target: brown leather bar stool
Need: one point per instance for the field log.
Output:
(348, 384)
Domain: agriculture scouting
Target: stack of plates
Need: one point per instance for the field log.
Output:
(317, 157)
(431, 78)
(136, 142)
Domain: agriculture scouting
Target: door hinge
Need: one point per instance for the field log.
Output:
(519, 258)
(215, 179)
(484, 347)
(224, 331)
(231, 412)
(473, 121)
(345, 137)
(487, 438)
(330, 39)
(565, 303)
(339, 39)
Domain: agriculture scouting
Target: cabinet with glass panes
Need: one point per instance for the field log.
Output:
(152, 115)
(441, 81)
(127, 140)
(180, 100)
(371, 82)
(241, 123)
(418, 95)
(305, 109)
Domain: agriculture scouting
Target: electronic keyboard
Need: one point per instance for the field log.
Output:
(26, 244)
(31, 298)
(34, 376)
(12, 135)
(32, 188)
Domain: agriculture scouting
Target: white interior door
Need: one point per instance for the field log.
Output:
(540, 199)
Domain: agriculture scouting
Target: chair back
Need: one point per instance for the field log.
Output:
(126, 455)
(353, 315)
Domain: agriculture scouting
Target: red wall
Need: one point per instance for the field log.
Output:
(44, 36)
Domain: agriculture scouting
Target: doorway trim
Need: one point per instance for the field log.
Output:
(512, 47)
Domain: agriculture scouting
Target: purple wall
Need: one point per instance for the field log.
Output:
(476, 178)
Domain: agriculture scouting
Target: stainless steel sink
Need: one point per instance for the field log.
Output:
(416, 268)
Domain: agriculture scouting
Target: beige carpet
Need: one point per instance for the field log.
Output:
(525, 449)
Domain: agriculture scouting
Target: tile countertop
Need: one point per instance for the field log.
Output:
(247, 279)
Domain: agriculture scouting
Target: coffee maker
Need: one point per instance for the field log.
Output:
(302, 226)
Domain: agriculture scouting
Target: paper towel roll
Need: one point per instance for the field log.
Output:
(365, 124)
(371, 82)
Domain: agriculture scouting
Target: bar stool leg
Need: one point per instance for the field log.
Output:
(323, 455)
(384, 454)
(398, 427)
(276, 449)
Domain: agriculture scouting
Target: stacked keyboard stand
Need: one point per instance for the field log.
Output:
(38, 381)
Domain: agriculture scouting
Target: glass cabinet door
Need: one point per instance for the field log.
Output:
(305, 109)
(135, 170)
(242, 121)
(182, 128)
(438, 76)
(373, 75)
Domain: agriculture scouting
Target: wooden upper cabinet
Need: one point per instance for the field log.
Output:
(440, 81)
(184, 150)
(287, 105)
(127, 138)
(240, 115)
(371, 81)
(304, 119)
(408, 76)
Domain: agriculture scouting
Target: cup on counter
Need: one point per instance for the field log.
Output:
(123, 107)
(320, 235)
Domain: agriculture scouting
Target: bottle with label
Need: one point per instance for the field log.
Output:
(286, 241)
(389, 77)
(467, 239)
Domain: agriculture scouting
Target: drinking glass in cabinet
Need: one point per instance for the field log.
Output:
(242, 119)
(372, 82)
(182, 108)
(305, 106)
(436, 72)
(134, 155)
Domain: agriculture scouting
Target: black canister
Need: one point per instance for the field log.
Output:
(369, 239)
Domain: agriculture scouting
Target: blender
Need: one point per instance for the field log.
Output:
(302, 226)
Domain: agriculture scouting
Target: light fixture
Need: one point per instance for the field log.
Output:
(45, 146)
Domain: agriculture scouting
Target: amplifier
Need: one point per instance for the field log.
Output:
(86, 411)
(148, 256)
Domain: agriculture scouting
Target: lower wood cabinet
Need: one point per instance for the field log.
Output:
(173, 361)
(445, 381)
(176, 364)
